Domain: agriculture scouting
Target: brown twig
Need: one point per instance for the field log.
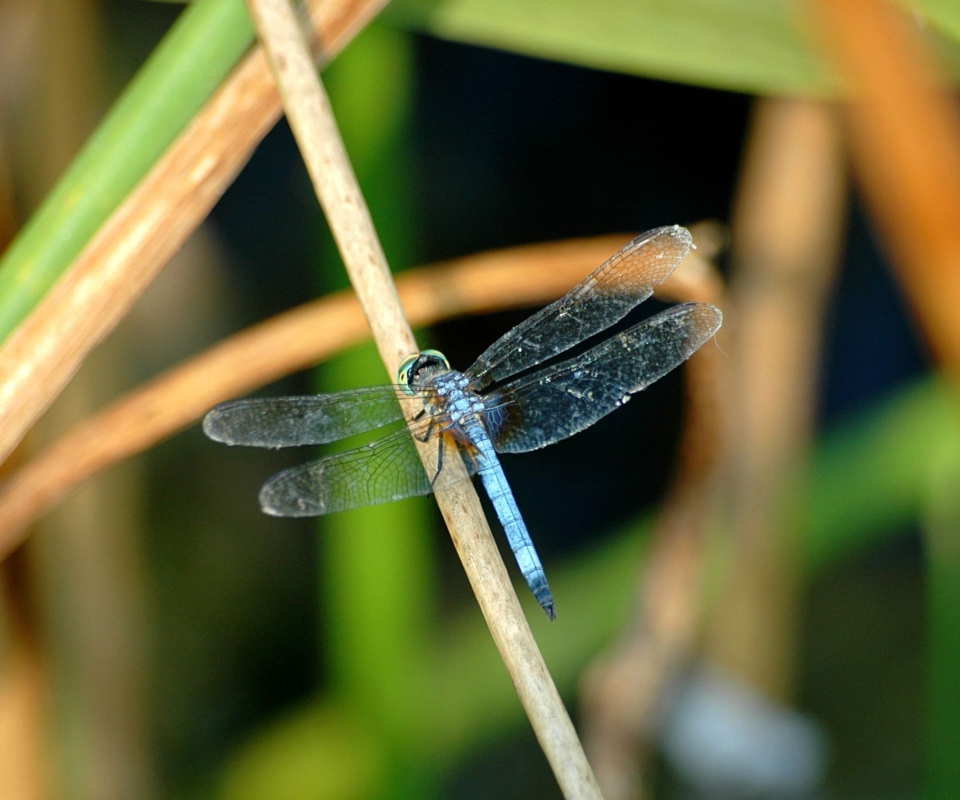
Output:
(308, 111)
(905, 136)
(138, 239)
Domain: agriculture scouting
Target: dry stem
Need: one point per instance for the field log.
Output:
(311, 119)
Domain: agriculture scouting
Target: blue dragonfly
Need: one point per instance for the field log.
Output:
(499, 405)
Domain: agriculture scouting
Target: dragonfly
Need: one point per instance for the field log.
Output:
(516, 397)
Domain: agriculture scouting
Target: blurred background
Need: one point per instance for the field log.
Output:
(756, 591)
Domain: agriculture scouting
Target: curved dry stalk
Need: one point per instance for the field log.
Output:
(311, 119)
(42, 354)
(300, 338)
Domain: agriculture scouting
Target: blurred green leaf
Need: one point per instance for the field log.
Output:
(318, 753)
(745, 45)
(869, 478)
(755, 46)
(944, 14)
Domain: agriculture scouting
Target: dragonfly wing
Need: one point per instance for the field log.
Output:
(625, 280)
(559, 401)
(313, 419)
(380, 472)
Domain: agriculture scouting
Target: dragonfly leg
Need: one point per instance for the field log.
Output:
(428, 431)
(426, 436)
(436, 474)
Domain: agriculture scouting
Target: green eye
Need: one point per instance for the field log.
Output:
(404, 370)
(411, 366)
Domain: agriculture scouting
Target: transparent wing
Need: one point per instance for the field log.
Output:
(625, 280)
(292, 421)
(380, 472)
(566, 398)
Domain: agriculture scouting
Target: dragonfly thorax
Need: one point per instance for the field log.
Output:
(457, 400)
(446, 392)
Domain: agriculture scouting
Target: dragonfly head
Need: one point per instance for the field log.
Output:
(416, 369)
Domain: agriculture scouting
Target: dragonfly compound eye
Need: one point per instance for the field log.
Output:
(405, 372)
(434, 359)
(414, 370)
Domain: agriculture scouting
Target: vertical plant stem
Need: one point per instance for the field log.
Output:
(311, 119)
(941, 518)
(786, 232)
(378, 571)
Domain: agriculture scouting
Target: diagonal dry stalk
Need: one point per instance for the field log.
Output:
(39, 358)
(311, 119)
